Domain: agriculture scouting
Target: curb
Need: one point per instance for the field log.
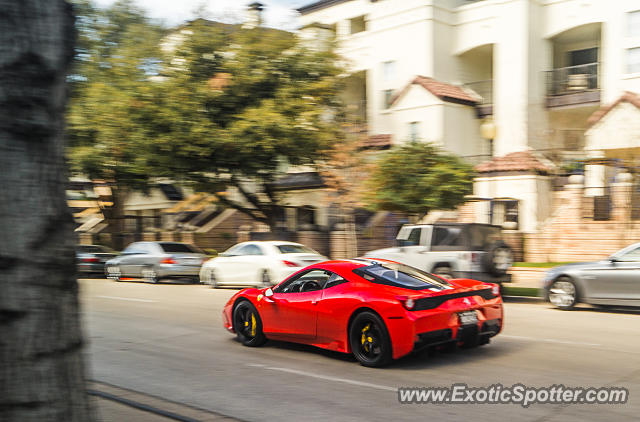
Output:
(523, 299)
(153, 404)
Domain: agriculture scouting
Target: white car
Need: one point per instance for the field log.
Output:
(264, 263)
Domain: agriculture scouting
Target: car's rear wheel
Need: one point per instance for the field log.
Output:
(248, 325)
(369, 340)
(114, 273)
(149, 275)
(563, 293)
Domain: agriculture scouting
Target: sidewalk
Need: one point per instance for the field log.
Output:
(526, 277)
(116, 404)
(111, 411)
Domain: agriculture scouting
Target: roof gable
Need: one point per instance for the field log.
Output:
(515, 161)
(627, 97)
(442, 90)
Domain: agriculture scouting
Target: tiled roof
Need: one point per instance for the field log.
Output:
(377, 141)
(442, 90)
(628, 97)
(515, 161)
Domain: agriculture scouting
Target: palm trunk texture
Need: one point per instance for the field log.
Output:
(41, 359)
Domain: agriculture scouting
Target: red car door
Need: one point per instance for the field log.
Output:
(292, 311)
(291, 314)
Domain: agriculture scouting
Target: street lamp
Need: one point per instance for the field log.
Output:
(488, 132)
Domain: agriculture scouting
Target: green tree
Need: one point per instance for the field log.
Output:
(241, 108)
(418, 177)
(113, 100)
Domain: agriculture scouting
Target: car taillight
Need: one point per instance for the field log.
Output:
(407, 302)
(495, 290)
(90, 260)
(170, 261)
(290, 264)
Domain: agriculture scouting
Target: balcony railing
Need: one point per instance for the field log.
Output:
(573, 79)
(484, 89)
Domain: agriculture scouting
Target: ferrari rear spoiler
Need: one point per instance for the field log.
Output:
(433, 302)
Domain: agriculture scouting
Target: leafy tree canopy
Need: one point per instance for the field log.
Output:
(418, 177)
(241, 107)
(112, 105)
(213, 104)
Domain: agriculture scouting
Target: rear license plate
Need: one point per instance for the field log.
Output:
(468, 317)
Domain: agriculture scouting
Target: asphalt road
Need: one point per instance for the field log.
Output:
(168, 341)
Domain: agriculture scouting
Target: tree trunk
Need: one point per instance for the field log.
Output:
(41, 361)
(114, 217)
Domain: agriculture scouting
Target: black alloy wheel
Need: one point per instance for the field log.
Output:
(369, 340)
(248, 325)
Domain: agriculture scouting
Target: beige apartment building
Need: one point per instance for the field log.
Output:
(513, 84)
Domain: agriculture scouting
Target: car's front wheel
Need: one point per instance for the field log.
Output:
(212, 279)
(369, 340)
(248, 325)
(563, 293)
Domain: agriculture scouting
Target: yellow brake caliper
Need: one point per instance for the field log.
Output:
(253, 325)
(363, 339)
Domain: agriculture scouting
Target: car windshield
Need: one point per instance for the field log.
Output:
(289, 248)
(178, 248)
(399, 275)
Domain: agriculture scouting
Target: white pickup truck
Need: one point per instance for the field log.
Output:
(452, 250)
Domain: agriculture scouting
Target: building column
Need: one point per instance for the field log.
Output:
(621, 197)
(520, 57)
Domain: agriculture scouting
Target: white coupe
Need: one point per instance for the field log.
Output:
(264, 263)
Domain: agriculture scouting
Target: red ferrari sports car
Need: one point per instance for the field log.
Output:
(378, 310)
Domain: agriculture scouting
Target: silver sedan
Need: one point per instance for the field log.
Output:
(153, 261)
(612, 282)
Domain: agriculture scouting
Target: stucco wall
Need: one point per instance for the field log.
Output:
(532, 191)
(620, 128)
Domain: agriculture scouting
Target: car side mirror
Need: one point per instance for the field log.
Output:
(268, 292)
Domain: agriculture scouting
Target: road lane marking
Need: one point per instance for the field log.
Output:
(325, 377)
(127, 299)
(550, 340)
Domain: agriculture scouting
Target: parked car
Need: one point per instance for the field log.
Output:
(153, 261)
(378, 310)
(90, 259)
(259, 263)
(452, 250)
(611, 282)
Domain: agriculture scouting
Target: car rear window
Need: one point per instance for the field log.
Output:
(399, 275)
(285, 248)
(178, 248)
